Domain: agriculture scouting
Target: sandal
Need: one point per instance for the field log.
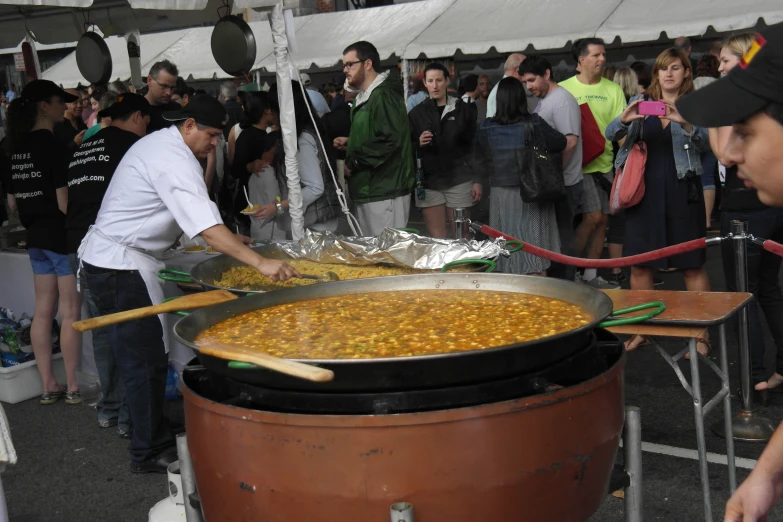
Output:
(642, 341)
(50, 397)
(701, 340)
(73, 397)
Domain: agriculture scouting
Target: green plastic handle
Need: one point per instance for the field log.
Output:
(657, 305)
(491, 264)
(411, 230)
(239, 365)
(176, 276)
(180, 313)
(515, 245)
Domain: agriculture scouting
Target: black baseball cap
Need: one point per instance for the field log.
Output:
(126, 104)
(749, 87)
(203, 108)
(41, 90)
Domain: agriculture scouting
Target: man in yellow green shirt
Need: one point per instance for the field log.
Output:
(606, 101)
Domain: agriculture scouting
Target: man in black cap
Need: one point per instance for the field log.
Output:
(750, 99)
(156, 194)
(89, 173)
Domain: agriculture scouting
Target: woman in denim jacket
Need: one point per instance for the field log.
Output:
(672, 209)
(499, 141)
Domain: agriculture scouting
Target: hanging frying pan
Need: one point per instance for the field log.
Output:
(233, 45)
(93, 58)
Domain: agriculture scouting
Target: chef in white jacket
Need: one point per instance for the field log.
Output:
(156, 194)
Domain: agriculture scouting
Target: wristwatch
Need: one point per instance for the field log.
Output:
(280, 210)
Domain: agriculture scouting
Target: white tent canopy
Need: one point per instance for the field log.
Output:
(438, 28)
(475, 27)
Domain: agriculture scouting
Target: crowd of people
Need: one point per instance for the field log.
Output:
(107, 179)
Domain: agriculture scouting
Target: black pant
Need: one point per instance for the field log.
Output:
(763, 283)
(140, 354)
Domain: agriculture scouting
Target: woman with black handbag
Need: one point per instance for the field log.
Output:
(522, 173)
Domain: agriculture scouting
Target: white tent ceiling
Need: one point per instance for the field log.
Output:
(438, 28)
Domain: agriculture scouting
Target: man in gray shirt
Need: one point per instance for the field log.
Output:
(561, 111)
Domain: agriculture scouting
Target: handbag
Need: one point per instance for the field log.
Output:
(593, 140)
(628, 185)
(540, 172)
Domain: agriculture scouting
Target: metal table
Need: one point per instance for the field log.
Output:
(688, 315)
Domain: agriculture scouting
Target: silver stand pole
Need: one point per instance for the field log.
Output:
(746, 426)
(188, 479)
(401, 512)
(459, 223)
(632, 447)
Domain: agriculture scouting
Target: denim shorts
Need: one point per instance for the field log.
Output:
(46, 262)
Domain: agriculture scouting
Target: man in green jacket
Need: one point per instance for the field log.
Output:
(379, 159)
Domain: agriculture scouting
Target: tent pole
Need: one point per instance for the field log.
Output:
(287, 120)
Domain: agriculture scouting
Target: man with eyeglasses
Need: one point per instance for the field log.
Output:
(379, 158)
(161, 84)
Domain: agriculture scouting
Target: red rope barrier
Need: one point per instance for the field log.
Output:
(611, 263)
(772, 246)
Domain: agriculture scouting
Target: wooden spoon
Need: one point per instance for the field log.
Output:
(188, 302)
(233, 352)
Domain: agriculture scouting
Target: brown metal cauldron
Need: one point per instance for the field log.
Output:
(545, 457)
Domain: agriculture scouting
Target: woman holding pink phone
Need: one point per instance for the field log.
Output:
(672, 209)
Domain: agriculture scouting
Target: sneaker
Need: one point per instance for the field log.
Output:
(158, 465)
(124, 432)
(601, 284)
(619, 278)
(657, 281)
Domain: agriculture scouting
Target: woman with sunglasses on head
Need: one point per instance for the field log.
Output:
(37, 188)
(672, 209)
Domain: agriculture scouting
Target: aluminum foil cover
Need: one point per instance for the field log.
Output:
(393, 247)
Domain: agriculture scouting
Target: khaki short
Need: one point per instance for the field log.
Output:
(460, 196)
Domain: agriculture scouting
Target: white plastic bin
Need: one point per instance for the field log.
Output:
(21, 382)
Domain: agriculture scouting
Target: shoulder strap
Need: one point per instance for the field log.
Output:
(529, 135)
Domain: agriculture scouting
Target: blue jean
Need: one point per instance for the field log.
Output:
(763, 283)
(141, 357)
(112, 406)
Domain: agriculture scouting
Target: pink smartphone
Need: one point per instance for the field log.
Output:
(652, 108)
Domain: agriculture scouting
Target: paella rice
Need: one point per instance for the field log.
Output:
(248, 278)
(397, 324)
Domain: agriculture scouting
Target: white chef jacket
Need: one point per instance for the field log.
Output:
(156, 193)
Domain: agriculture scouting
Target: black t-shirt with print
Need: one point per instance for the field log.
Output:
(89, 173)
(156, 116)
(38, 168)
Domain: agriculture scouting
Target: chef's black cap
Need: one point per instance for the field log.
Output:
(203, 108)
(126, 104)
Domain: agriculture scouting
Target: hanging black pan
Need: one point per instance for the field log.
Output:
(234, 46)
(93, 58)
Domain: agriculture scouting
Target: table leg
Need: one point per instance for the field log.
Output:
(699, 416)
(727, 415)
(632, 445)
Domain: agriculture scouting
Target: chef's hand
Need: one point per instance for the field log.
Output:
(477, 191)
(425, 138)
(265, 212)
(753, 499)
(340, 143)
(244, 239)
(277, 270)
(79, 137)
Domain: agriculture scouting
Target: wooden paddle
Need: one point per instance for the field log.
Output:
(188, 302)
(234, 352)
